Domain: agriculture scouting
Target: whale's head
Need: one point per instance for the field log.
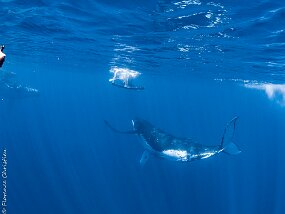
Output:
(140, 125)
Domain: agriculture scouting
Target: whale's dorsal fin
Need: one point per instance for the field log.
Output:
(144, 158)
(118, 131)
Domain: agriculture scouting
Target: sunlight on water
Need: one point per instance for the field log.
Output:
(274, 92)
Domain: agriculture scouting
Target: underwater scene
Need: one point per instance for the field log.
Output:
(146, 107)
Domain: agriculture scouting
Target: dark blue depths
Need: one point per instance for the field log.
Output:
(202, 63)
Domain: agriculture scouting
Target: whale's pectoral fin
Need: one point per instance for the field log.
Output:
(144, 158)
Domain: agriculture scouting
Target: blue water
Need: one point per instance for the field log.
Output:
(202, 63)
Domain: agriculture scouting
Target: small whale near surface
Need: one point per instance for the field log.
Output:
(161, 144)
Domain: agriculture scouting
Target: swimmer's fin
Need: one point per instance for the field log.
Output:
(137, 88)
(118, 131)
(144, 158)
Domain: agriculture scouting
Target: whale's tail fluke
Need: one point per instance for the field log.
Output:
(227, 144)
(118, 131)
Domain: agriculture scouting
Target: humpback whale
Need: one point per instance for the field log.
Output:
(164, 145)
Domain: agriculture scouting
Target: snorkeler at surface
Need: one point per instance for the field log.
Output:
(2, 56)
(124, 77)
